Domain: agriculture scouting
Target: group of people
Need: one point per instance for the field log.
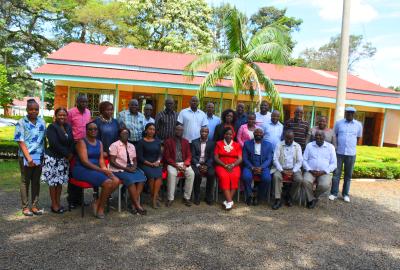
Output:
(254, 149)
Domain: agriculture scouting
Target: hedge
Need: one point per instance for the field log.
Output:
(47, 119)
(8, 149)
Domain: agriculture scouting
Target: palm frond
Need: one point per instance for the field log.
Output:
(203, 61)
(272, 52)
(234, 25)
(211, 79)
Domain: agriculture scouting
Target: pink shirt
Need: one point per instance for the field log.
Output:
(243, 134)
(118, 149)
(78, 122)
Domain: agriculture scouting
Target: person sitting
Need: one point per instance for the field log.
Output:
(149, 157)
(257, 159)
(319, 161)
(287, 164)
(90, 168)
(246, 131)
(202, 164)
(228, 157)
(228, 119)
(123, 164)
(177, 158)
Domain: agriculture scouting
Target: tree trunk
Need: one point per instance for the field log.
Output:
(7, 112)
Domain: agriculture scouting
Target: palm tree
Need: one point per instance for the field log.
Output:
(239, 64)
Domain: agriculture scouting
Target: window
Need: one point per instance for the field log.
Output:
(317, 113)
(226, 104)
(95, 96)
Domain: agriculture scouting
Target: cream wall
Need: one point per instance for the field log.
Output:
(392, 130)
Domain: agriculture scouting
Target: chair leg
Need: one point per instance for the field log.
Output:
(216, 190)
(119, 198)
(83, 203)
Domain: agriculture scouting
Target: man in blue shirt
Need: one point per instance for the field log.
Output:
(241, 116)
(273, 129)
(348, 131)
(213, 120)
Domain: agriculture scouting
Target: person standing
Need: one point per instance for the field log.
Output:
(213, 120)
(287, 162)
(319, 161)
(29, 134)
(59, 152)
(133, 120)
(330, 136)
(228, 119)
(107, 126)
(246, 131)
(263, 117)
(166, 121)
(203, 165)
(241, 116)
(149, 157)
(348, 131)
(177, 157)
(228, 157)
(78, 117)
(257, 160)
(273, 129)
(301, 129)
(192, 119)
(148, 110)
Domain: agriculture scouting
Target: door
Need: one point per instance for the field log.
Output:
(368, 130)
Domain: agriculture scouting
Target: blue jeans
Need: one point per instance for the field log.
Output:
(348, 162)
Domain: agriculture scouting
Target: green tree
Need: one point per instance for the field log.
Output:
(269, 15)
(6, 95)
(395, 88)
(220, 42)
(327, 56)
(240, 63)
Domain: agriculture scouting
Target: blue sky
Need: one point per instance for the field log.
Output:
(377, 20)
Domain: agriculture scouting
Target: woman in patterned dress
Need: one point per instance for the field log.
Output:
(56, 158)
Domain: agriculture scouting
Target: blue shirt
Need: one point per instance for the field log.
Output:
(347, 134)
(107, 132)
(273, 133)
(192, 122)
(241, 120)
(135, 124)
(32, 135)
(213, 121)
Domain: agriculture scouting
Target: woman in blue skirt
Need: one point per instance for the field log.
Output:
(90, 167)
(124, 165)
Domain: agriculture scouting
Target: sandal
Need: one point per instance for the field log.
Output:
(37, 212)
(58, 211)
(141, 212)
(26, 212)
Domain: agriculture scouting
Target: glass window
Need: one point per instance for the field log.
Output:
(226, 104)
(95, 96)
(318, 112)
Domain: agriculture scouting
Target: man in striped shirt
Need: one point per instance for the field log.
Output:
(301, 129)
(166, 120)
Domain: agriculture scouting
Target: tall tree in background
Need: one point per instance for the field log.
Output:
(395, 88)
(240, 63)
(327, 56)
(6, 95)
(220, 41)
(269, 15)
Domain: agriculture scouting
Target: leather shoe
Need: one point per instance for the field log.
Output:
(248, 200)
(187, 202)
(168, 203)
(312, 204)
(255, 201)
(289, 202)
(277, 205)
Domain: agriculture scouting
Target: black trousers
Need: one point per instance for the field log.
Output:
(209, 184)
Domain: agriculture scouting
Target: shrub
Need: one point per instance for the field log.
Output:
(8, 149)
(378, 171)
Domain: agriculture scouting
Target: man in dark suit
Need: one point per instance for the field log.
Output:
(202, 164)
(257, 160)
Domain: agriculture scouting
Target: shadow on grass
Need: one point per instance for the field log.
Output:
(361, 235)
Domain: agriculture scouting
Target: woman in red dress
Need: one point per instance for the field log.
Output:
(228, 156)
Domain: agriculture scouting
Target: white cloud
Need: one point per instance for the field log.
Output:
(360, 10)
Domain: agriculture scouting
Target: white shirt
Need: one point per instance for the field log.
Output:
(319, 158)
(263, 119)
(288, 158)
(251, 134)
(257, 149)
(192, 123)
(202, 151)
(273, 133)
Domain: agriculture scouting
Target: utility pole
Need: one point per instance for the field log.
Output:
(343, 63)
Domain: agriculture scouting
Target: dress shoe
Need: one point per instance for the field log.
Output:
(248, 200)
(312, 204)
(255, 201)
(277, 204)
(289, 202)
(187, 202)
(168, 203)
(196, 201)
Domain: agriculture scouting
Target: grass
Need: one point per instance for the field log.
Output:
(9, 175)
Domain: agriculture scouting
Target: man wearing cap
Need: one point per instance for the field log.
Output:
(348, 131)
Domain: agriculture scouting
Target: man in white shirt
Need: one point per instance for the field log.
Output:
(148, 110)
(273, 129)
(287, 163)
(263, 116)
(319, 161)
(192, 119)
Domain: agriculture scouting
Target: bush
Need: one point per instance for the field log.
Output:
(8, 149)
(378, 171)
(47, 119)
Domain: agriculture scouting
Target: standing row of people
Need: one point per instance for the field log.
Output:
(193, 141)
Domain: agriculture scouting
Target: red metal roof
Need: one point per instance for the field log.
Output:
(79, 52)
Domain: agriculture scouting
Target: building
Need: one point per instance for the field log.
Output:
(119, 74)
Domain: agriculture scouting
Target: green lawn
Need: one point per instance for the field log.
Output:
(9, 175)
(7, 133)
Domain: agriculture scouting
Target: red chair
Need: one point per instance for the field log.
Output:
(82, 184)
(164, 175)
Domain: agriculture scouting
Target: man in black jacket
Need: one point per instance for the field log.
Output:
(203, 165)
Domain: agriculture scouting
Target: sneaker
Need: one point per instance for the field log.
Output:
(229, 205)
(332, 197)
(346, 198)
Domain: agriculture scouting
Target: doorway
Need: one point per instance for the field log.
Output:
(368, 130)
